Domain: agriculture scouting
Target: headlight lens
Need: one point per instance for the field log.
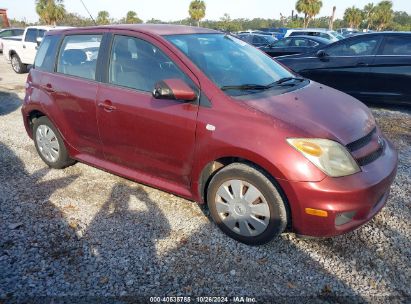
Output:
(329, 156)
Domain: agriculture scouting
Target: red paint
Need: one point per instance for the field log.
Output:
(165, 143)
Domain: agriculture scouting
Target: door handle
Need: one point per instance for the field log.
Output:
(24, 46)
(362, 64)
(107, 106)
(48, 88)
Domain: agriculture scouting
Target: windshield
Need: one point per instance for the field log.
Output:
(270, 38)
(338, 36)
(228, 61)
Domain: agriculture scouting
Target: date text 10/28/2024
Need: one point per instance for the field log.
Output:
(202, 300)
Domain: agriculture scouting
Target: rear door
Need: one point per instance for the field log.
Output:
(150, 136)
(391, 71)
(344, 65)
(73, 90)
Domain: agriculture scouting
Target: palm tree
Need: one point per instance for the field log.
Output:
(383, 14)
(197, 10)
(353, 16)
(310, 8)
(103, 17)
(369, 14)
(331, 22)
(50, 11)
(132, 17)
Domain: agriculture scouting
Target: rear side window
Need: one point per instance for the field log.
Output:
(6, 33)
(357, 47)
(137, 64)
(397, 46)
(46, 54)
(31, 35)
(78, 55)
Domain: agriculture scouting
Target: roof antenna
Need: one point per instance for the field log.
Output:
(88, 12)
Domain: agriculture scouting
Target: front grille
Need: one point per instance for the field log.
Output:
(363, 161)
(362, 142)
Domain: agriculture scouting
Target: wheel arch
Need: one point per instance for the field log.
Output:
(214, 166)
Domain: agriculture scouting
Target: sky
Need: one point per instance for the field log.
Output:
(168, 10)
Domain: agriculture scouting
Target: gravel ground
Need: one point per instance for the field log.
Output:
(82, 232)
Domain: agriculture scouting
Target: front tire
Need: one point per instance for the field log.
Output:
(246, 205)
(17, 65)
(50, 145)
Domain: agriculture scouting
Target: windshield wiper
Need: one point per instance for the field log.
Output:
(287, 79)
(245, 87)
(256, 87)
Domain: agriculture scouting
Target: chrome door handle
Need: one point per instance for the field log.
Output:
(107, 107)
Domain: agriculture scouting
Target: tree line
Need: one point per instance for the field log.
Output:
(380, 16)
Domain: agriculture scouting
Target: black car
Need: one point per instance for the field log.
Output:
(258, 40)
(294, 45)
(375, 68)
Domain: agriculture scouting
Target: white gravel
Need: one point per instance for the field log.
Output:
(84, 232)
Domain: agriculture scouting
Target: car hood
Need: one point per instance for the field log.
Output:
(317, 111)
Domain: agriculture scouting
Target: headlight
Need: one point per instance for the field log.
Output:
(329, 156)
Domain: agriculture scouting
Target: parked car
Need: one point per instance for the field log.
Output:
(348, 32)
(258, 40)
(333, 36)
(374, 68)
(21, 52)
(9, 32)
(294, 45)
(210, 118)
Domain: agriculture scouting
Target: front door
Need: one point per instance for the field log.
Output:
(344, 65)
(148, 135)
(30, 45)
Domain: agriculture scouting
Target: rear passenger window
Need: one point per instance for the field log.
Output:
(78, 55)
(46, 54)
(397, 46)
(137, 64)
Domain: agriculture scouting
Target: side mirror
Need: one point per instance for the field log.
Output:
(38, 40)
(175, 89)
(321, 54)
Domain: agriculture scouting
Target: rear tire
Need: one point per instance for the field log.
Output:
(17, 65)
(50, 145)
(246, 205)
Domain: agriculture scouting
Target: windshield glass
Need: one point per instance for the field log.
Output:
(229, 61)
(338, 36)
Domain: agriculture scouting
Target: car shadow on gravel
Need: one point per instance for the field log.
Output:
(45, 254)
(24, 202)
(9, 102)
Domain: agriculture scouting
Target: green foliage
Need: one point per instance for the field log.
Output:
(310, 8)
(50, 11)
(383, 14)
(353, 16)
(103, 17)
(131, 18)
(71, 19)
(197, 10)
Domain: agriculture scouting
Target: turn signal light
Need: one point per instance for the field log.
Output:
(308, 147)
(316, 212)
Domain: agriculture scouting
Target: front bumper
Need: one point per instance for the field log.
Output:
(364, 193)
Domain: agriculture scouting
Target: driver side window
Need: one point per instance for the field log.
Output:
(139, 65)
(354, 48)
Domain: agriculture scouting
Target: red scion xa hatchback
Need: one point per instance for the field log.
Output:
(210, 118)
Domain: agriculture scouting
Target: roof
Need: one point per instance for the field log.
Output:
(156, 29)
(310, 30)
(314, 38)
(49, 27)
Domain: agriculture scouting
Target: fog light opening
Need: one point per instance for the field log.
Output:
(344, 218)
